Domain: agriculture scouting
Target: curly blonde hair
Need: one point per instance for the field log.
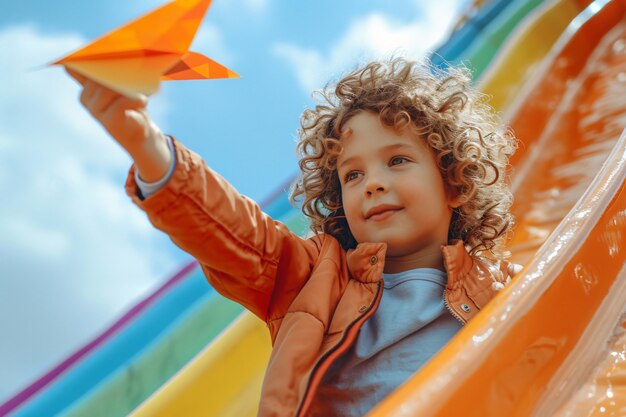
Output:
(470, 147)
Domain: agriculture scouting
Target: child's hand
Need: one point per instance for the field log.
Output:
(124, 118)
(128, 122)
(514, 269)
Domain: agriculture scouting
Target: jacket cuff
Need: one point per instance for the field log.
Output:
(168, 193)
(146, 189)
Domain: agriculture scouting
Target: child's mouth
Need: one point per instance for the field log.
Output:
(383, 215)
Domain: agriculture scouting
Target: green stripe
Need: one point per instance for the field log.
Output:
(131, 385)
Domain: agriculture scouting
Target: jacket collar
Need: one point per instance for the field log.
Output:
(367, 261)
(457, 261)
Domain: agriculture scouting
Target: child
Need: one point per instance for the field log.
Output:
(403, 178)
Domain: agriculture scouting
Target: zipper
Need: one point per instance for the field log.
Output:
(334, 349)
(445, 301)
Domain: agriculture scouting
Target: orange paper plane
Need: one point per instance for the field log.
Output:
(134, 58)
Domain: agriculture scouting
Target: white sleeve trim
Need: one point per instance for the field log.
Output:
(149, 188)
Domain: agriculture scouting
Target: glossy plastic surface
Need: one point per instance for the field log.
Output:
(534, 346)
(142, 374)
(524, 50)
(199, 393)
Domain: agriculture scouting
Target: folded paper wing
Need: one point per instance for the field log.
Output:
(194, 66)
(135, 57)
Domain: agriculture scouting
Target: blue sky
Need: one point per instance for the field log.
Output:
(75, 253)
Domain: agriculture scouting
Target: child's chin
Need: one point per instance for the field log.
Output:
(397, 250)
(400, 249)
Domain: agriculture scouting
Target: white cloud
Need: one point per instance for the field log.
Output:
(373, 36)
(209, 42)
(256, 6)
(74, 251)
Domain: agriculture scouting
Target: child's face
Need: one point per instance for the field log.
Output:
(396, 176)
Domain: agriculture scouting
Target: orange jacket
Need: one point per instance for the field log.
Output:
(313, 295)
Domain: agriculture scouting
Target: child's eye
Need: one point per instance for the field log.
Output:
(396, 160)
(352, 175)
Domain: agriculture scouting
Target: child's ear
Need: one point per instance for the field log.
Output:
(454, 199)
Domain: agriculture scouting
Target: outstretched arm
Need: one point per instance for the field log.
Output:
(245, 254)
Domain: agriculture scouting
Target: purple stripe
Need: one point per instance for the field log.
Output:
(280, 190)
(39, 384)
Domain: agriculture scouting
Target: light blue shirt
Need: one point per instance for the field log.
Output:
(411, 324)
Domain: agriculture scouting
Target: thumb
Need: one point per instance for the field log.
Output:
(137, 116)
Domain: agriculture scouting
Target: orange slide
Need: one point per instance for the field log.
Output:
(554, 342)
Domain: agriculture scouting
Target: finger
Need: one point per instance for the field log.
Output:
(78, 77)
(122, 103)
(139, 118)
(515, 269)
(102, 98)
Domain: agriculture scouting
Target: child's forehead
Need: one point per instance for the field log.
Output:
(368, 126)
(355, 148)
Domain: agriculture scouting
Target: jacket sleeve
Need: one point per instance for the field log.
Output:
(246, 256)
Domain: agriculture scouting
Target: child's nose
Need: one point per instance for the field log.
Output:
(375, 185)
(377, 190)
